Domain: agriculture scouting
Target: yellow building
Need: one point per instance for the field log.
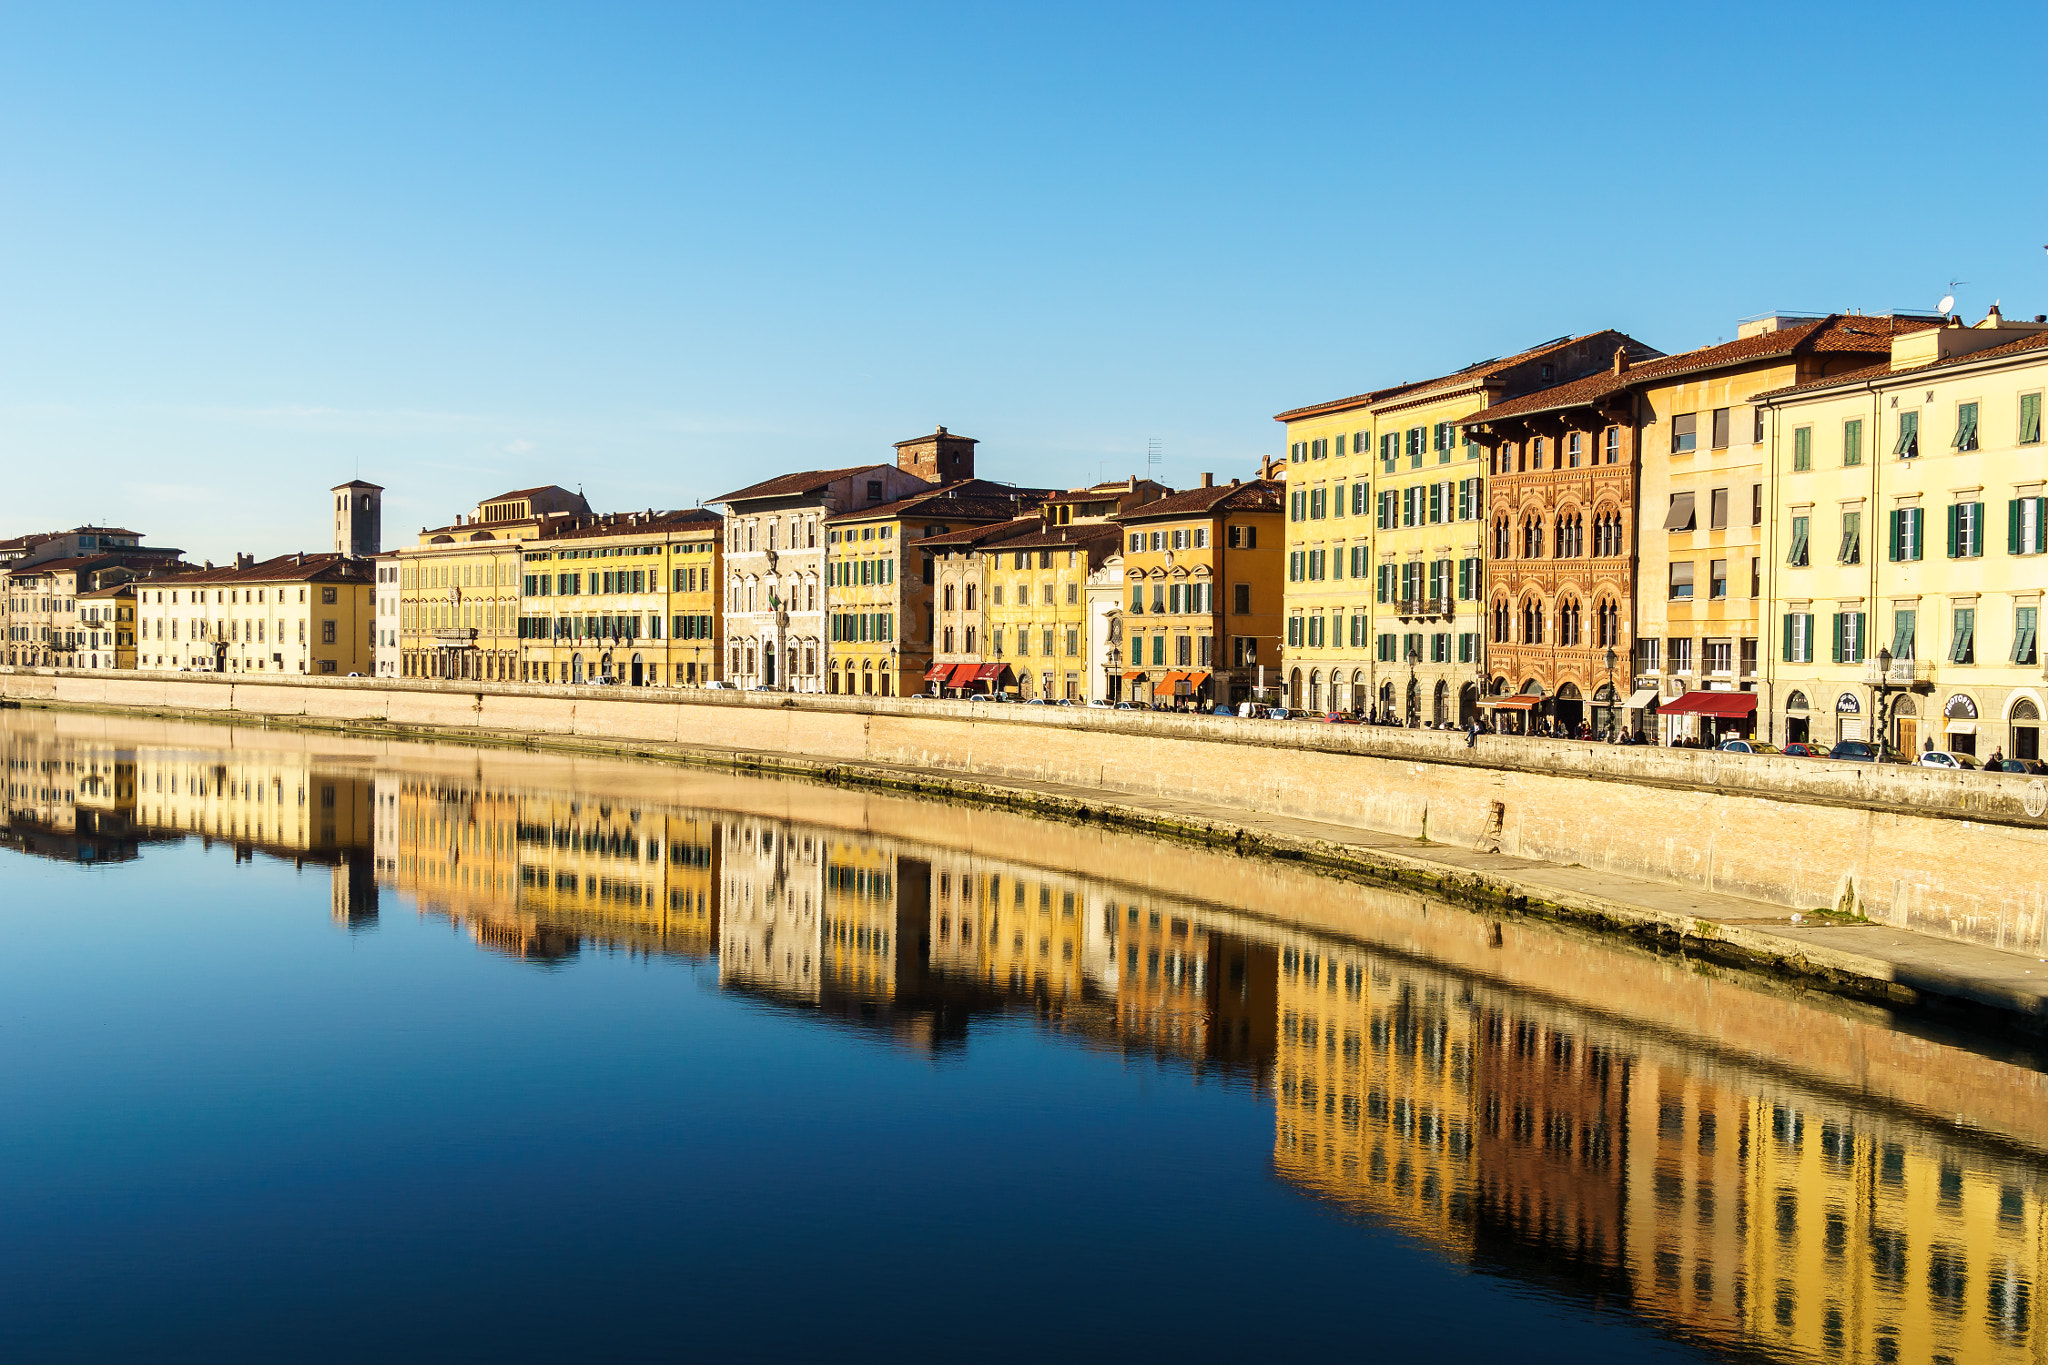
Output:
(630, 598)
(459, 587)
(1386, 514)
(1205, 593)
(296, 614)
(1703, 490)
(1036, 610)
(881, 585)
(106, 622)
(1924, 474)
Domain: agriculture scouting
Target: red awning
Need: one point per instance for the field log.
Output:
(964, 674)
(1512, 703)
(937, 671)
(1195, 681)
(990, 672)
(1134, 677)
(1720, 705)
(1166, 683)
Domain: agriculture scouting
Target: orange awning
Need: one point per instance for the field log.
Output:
(1195, 681)
(1512, 703)
(1134, 677)
(963, 674)
(1166, 683)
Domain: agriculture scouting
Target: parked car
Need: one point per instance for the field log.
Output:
(1749, 746)
(1220, 709)
(1102, 702)
(1854, 751)
(1943, 758)
(719, 687)
(1128, 706)
(1800, 749)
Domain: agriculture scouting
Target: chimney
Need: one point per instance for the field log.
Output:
(1621, 360)
(244, 561)
(1994, 317)
(1208, 480)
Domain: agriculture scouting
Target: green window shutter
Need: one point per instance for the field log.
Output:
(1838, 637)
(1954, 517)
(2030, 418)
(1787, 656)
(2024, 625)
(1891, 519)
(1976, 541)
(2012, 526)
(1802, 448)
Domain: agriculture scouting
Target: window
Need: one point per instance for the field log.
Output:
(1720, 428)
(2030, 419)
(1965, 530)
(2024, 623)
(1798, 637)
(1680, 654)
(1963, 644)
(1241, 599)
(1852, 538)
(1848, 644)
(2024, 526)
(327, 632)
(1802, 449)
(1904, 539)
(1905, 625)
(1685, 432)
(1908, 444)
(1756, 504)
(1852, 441)
(1966, 427)
(1680, 516)
(1717, 577)
(1681, 579)
(1798, 556)
(1646, 655)
(1720, 656)
(1717, 510)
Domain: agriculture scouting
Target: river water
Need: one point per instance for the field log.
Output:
(314, 1048)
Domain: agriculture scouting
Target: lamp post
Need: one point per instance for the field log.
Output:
(1884, 690)
(1613, 697)
(1414, 708)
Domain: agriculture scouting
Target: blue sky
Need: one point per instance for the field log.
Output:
(248, 252)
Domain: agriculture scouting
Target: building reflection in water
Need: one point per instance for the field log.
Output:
(1722, 1200)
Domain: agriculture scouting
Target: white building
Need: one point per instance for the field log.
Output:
(385, 627)
(775, 568)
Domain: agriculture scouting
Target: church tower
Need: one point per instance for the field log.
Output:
(358, 519)
(940, 457)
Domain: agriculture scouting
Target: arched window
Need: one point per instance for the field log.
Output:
(1440, 709)
(1500, 621)
(1501, 535)
(1532, 536)
(1315, 690)
(1796, 702)
(1532, 622)
(1610, 624)
(1568, 621)
(1571, 535)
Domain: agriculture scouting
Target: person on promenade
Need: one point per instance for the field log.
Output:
(1472, 732)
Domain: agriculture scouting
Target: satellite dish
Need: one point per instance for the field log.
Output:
(1947, 305)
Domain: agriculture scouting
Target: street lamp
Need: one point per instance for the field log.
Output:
(1414, 708)
(1884, 689)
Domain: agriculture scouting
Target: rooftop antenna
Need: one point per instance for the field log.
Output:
(1155, 454)
(1948, 300)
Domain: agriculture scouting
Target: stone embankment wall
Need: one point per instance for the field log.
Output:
(1954, 854)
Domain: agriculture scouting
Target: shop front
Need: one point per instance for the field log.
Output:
(1709, 718)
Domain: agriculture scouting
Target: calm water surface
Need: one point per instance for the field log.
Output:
(317, 1049)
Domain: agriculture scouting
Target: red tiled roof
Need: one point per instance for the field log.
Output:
(1837, 333)
(1075, 536)
(788, 485)
(617, 524)
(283, 569)
(1474, 373)
(1260, 495)
(976, 535)
(973, 498)
(2019, 346)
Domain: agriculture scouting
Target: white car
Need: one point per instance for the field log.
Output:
(719, 687)
(1942, 758)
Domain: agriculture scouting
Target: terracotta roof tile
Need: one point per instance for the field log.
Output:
(973, 498)
(2034, 341)
(1260, 495)
(976, 535)
(788, 485)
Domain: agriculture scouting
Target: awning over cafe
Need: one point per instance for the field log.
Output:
(1166, 683)
(1641, 698)
(964, 675)
(1195, 681)
(1511, 703)
(1135, 676)
(1719, 705)
(937, 671)
(990, 672)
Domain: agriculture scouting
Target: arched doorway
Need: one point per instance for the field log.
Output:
(1315, 690)
(768, 665)
(1961, 729)
(1440, 705)
(1468, 703)
(1604, 717)
(1386, 701)
(1796, 728)
(1414, 711)
(1568, 708)
(2025, 724)
(575, 668)
(1294, 689)
(1905, 727)
(1361, 693)
(639, 675)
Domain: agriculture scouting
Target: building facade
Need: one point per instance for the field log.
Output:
(1036, 618)
(1925, 475)
(387, 658)
(106, 619)
(775, 554)
(295, 614)
(1386, 536)
(960, 601)
(460, 586)
(881, 582)
(1205, 593)
(619, 599)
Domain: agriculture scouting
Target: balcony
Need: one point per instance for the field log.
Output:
(459, 637)
(1413, 608)
(1917, 674)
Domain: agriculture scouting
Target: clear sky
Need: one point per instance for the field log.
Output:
(247, 252)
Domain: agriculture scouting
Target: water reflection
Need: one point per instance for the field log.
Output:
(1745, 1168)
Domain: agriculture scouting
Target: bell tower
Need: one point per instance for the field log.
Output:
(358, 519)
(940, 457)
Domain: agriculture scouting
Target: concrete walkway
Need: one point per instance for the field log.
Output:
(1899, 964)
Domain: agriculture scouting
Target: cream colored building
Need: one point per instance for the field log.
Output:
(295, 614)
(1910, 518)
